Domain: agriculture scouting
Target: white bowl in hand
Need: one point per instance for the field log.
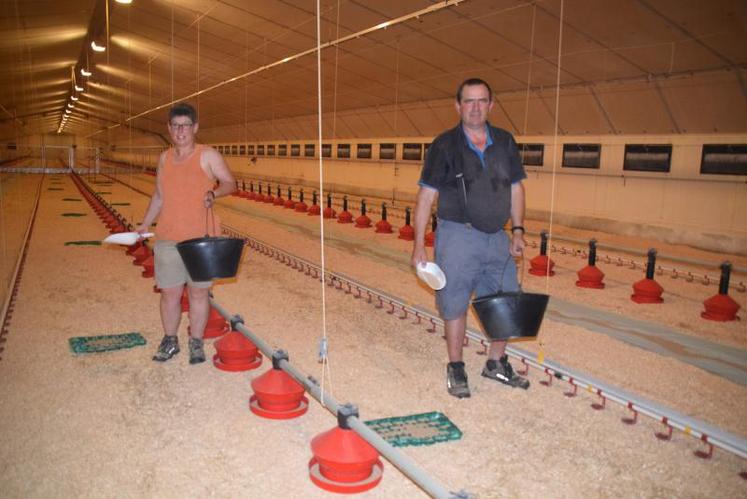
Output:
(432, 275)
(127, 238)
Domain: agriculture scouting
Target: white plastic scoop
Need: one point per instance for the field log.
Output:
(127, 238)
(432, 275)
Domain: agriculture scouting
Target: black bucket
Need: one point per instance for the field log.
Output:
(208, 258)
(511, 315)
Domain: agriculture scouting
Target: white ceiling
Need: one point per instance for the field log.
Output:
(626, 66)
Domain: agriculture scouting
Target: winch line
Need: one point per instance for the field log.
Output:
(709, 434)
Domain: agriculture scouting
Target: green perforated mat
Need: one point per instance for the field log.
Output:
(418, 429)
(106, 343)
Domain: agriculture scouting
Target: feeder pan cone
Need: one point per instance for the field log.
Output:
(720, 308)
(407, 233)
(383, 227)
(590, 277)
(277, 396)
(362, 222)
(343, 462)
(647, 291)
(236, 353)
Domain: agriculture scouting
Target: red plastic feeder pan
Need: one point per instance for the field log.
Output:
(343, 462)
(235, 352)
(276, 394)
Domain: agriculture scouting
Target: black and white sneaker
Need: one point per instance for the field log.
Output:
(502, 372)
(168, 348)
(456, 380)
(196, 351)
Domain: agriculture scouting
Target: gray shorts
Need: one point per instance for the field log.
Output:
(474, 262)
(169, 267)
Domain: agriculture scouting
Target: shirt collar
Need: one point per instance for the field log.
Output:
(488, 141)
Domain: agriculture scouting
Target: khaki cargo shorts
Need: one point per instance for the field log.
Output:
(169, 267)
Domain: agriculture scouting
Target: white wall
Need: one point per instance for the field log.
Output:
(680, 206)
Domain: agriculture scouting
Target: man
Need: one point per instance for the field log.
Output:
(183, 199)
(475, 171)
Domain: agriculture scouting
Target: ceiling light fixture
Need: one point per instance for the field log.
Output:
(79, 89)
(125, 2)
(73, 97)
(70, 105)
(85, 73)
(97, 48)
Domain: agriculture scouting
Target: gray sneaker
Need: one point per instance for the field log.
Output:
(196, 351)
(456, 380)
(168, 348)
(502, 372)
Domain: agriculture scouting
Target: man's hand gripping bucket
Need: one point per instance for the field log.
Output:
(507, 315)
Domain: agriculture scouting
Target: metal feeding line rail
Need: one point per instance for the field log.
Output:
(710, 435)
(15, 279)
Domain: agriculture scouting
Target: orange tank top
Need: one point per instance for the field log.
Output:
(183, 187)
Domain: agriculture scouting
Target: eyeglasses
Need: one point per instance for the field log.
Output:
(181, 126)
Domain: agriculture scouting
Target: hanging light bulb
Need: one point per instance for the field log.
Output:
(97, 48)
(85, 72)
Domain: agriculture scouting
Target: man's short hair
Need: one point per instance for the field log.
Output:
(183, 109)
(470, 82)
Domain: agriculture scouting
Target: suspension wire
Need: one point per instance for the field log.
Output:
(555, 138)
(334, 95)
(323, 353)
(198, 66)
(396, 87)
(529, 75)
(129, 107)
(246, 89)
(171, 49)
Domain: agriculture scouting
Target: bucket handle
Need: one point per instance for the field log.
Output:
(209, 211)
(519, 271)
